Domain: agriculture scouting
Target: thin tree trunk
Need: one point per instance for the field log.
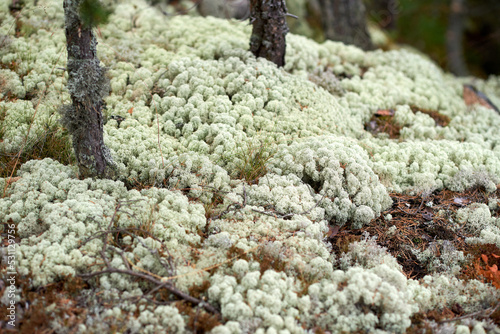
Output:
(269, 29)
(87, 85)
(454, 38)
(345, 21)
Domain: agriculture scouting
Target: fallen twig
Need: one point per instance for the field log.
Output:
(288, 215)
(481, 314)
(139, 272)
(159, 285)
(238, 206)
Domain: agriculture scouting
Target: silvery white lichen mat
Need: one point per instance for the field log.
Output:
(242, 168)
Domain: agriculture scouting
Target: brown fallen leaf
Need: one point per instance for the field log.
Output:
(385, 112)
(332, 231)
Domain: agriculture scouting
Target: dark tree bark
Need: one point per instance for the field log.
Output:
(345, 21)
(87, 85)
(269, 30)
(454, 38)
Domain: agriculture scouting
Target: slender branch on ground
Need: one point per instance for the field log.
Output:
(289, 215)
(122, 254)
(235, 206)
(408, 213)
(481, 314)
(128, 230)
(215, 190)
(149, 278)
(140, 273)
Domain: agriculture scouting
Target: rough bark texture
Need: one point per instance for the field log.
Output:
(454, 38)
(269, 29)
(344, 21)
(87, 85)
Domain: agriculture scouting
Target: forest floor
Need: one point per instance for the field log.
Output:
(419, 224)
(413, 222)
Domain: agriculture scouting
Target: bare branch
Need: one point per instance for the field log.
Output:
(480, 314)
(235, 206)
(158, 283)
(289, 215)
(137, 272)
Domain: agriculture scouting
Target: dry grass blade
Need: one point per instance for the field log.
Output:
(254, 158)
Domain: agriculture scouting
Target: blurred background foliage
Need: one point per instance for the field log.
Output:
(423, 24)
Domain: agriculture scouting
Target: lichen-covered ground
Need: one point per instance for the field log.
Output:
(349, 191)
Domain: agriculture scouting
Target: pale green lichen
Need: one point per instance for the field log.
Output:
(447, 291)
(477, 219)
(54, 212)
(441, 257)
(195, 101)
(339, 170)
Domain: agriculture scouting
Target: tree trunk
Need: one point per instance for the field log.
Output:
(454, 39)
(344, 21)
(87, 85)
(269, 30)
